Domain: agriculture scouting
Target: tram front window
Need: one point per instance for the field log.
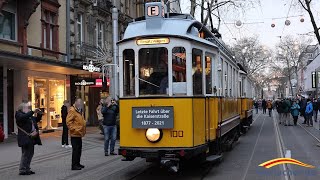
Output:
(153, 71)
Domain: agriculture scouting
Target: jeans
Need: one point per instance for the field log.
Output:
(315, 113)
(64, 140)
(295, 119)
(256, 110)
(110, 134)
(309, 119)
(270, 110)
(27, 154)
(76, 143)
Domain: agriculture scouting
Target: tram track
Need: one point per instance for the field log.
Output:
(310, 133)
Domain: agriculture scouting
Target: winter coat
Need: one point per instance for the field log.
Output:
(64, 113)
(286, 105)
(256, 105)
(295, 110)
(76, 123)
(309, 109)
(269, 105)
(264, 104)
(24, 121)
(315, 106)
(110, 115)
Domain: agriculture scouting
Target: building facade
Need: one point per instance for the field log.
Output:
(33, 60)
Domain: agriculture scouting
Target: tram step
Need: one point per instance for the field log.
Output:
(214, 158)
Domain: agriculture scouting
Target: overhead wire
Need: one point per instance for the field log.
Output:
(284, 26)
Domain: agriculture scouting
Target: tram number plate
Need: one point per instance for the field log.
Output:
(160, 117)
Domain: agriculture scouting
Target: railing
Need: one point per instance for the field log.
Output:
(102, 4)
(83, 50)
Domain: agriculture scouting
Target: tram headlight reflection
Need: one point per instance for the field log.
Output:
(153, 134)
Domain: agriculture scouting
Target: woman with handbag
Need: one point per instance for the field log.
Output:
(28, 135)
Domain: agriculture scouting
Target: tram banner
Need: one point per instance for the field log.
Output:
(160, 117)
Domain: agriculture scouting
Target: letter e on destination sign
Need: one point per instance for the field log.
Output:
(153, 11)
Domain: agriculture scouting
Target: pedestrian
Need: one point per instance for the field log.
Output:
(28, 135)
(315, 106)
(295, 109)
(264, 106)
(279, 110)
(303, 105)
(256, 106)
(77, 126)
(309, 113)
(100, 116)
(110, 111)
(269, 106)
(64, 113)
(286, 105)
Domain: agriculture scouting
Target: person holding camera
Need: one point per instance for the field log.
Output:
(110, 110)
(28, 135)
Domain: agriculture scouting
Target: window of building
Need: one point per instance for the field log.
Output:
(179, 70)
(128, 73)
(50, 30)
(153, 71)
(8, 26)
(127, 7)
(80, 28)
(8, 22)
(50, 27)
(99, 32)
(197, 71)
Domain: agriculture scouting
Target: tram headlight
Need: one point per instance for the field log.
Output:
(153, 134)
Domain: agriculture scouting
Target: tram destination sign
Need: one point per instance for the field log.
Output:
(153, 41)
(160, 117)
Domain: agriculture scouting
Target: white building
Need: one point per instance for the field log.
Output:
(309, 72)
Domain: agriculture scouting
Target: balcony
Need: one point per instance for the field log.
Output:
(102, 6)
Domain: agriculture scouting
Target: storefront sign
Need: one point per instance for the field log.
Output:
(91, 68)
(85, 82)
(99, 82)
(153, 41)
(152, 117)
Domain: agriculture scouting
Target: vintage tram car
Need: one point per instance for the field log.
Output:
(182, 93)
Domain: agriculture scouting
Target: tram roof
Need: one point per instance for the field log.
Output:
(173, 26)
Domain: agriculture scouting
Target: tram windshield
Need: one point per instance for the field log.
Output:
(153, 71)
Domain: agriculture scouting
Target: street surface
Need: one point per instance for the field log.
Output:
(266, 140)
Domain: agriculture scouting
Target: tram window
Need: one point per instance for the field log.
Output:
(128, 72)
(153, 71)
(197, 71)
(179, 70)
(208, 72)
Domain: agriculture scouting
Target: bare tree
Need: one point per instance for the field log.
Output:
(307, 6)
(208, 7)
(289, 58)
(253, 56)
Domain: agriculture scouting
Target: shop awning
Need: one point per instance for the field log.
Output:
(25, 62)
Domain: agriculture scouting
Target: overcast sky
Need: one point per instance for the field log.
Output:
(262, 18)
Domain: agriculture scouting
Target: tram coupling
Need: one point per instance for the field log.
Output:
(171, 164)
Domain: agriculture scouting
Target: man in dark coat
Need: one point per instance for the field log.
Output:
(303, 105)
(110, 111)
(64, 113)
(315, 105)
(28, 135)
(264, 106)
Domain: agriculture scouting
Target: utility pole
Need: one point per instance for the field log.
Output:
(115, 80)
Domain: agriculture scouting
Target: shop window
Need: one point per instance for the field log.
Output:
(8, 21)
(197, 71)
(153, 71)
(179, 70)
(57, 96)
(128, 73)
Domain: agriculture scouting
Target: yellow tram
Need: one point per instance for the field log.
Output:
(182, 94)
